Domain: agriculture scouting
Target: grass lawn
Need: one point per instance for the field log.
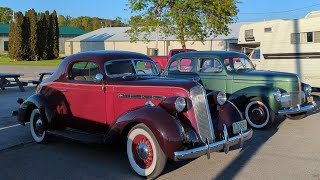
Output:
(5, 60)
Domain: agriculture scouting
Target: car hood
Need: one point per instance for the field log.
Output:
(266, 76)
(155, 81)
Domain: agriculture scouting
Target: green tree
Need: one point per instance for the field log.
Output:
(184, 19)
(18, 37)
(55, 34)
(12, 47)
(26, 51)
(5, 15)
(33, 36)
(61, 20)
(47, 25)
(42, 34)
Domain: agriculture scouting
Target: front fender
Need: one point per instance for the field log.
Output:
(240, 98)
(164, 127)
(35, 101)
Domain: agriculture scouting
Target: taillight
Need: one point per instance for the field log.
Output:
(300, 86)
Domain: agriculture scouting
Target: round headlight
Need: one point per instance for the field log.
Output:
(180, 104)
(221, 98)
(277, 94)
(307, 89)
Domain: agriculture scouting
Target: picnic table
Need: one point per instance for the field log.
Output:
(11, 80)
(41, 76)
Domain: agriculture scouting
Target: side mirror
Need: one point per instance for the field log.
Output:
(99, 77)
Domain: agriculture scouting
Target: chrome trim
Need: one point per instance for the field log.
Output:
(298, 109)
(226, 145)
(236, 109)
(197, 98)
(143, 151)
(149, 103)
(213, 147)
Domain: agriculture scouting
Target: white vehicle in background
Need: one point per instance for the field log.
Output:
(285, 45)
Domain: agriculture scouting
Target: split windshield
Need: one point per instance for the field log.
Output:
(130, 68)
(238, 64)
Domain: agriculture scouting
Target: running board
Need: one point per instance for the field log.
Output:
(81, 136)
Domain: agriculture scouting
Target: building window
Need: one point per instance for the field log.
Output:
(295, 38)
(306, 37)
(317, 37)
(309, 36)
(268, 29)
(152, 51)
(6, 46)
(249, 35)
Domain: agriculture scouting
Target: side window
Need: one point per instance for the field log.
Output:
(183, 65)
(188, 65)
(174, 66)
(210, 65)
(84, 71)
(115, 68)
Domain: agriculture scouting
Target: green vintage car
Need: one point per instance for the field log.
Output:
(260, 95)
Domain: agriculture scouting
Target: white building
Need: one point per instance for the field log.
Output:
(286, 45)
(116, 38)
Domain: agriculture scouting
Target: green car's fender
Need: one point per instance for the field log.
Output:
(241, 98)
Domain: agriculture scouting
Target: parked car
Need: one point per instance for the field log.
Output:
(260, 95)
(120, 94)
(163, 60)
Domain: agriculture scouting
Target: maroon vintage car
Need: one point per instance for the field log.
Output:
(120, 94)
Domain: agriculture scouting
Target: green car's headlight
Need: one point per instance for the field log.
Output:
(277, 95)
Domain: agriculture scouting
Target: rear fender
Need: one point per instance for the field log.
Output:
(166, 128)
(35, 101)
(265, 93)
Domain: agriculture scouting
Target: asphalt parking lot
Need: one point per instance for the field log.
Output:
(289, 149)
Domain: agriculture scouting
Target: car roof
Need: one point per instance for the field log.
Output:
(209, 53)
(106, 55)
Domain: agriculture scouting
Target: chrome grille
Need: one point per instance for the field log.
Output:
(293, 99)
(202, 113)
(297, 97)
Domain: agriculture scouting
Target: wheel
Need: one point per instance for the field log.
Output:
(297, 116)
(258, 114)
(144, 153)
(36, 127)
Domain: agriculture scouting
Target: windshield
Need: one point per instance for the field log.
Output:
(237, 64)
(130, 67)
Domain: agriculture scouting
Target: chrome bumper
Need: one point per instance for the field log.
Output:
(216, 146)
(298, 109)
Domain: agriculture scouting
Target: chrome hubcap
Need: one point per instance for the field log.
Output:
(143, 151)
(258, 111)
(39, 125)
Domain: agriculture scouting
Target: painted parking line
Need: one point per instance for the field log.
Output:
(12, 126)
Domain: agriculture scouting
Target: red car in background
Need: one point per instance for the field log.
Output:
(163, 60)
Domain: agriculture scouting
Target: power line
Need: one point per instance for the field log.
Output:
(278, 12)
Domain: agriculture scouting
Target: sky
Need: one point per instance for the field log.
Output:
(249, 10)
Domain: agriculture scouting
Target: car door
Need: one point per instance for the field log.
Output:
(212, 74)
(86, 97)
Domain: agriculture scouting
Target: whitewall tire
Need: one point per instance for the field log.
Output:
(144, 153)
(258, 115)
(36, 127)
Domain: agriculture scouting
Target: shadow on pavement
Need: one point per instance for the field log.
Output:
(259, 138)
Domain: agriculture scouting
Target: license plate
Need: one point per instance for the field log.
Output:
(240, 125)
(309, 99)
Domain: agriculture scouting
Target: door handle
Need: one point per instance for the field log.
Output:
(64, 90)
